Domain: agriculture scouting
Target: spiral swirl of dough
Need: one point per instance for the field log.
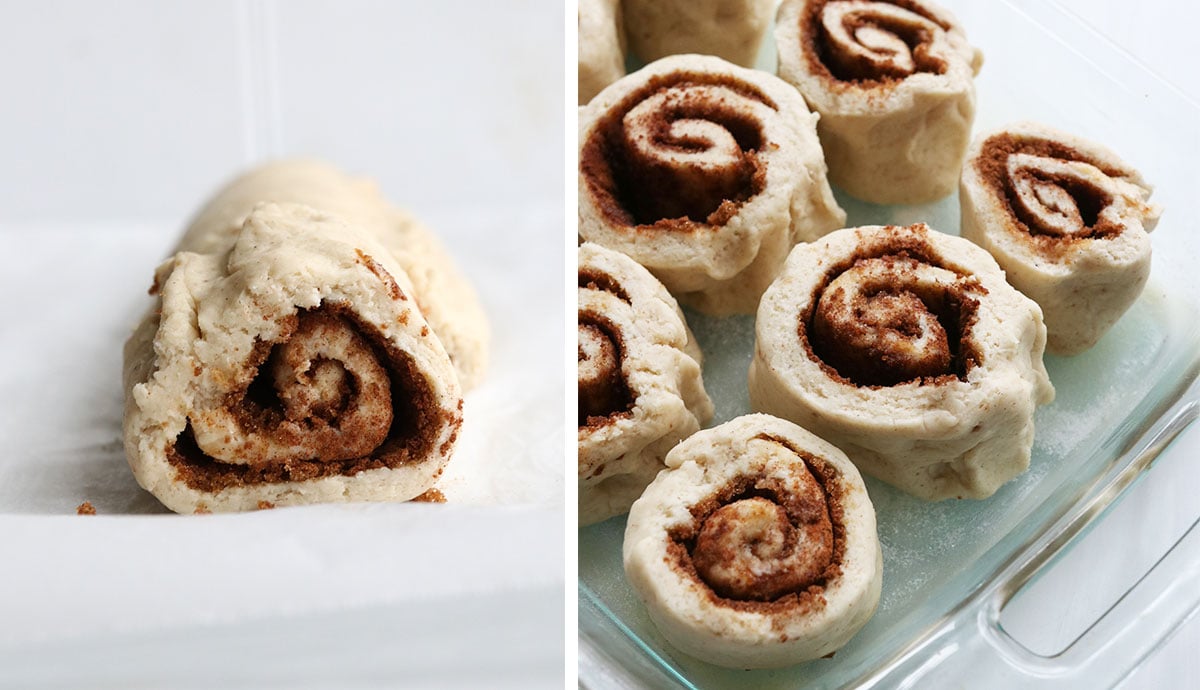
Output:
(893, 83)
(602, 387)
(706, 174)
(893, 318)
(756, 546)
(1058, 192)
(777, 539)
(320, 393)
(1067, 220)
(640, 389)
(688, 149)
(878, 40)
(908, 350)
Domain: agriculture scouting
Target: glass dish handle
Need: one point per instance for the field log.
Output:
(973, 645)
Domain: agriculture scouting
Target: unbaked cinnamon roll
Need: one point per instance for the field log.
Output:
(893, 81)
(906, 348)
(601, 46)
(730, 29)
(757, 547)
(290, 358)
(1067, 220)
(706, 174)
(640, 389)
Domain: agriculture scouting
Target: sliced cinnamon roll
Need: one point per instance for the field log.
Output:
(288, 358)
(893, 81)
(705, 173)
(757, 547)
(640, 389)
(1067, 220)
(730, 29)
(906, 348)
(601, 46)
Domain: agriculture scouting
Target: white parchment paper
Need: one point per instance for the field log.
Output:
(72, 294)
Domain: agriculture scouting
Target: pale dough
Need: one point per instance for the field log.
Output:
(730, 29)
(895, 120)
(640, 386)
(601, 46)
(713, 208)
(1079, 247)
(756, 547)
(287, 340)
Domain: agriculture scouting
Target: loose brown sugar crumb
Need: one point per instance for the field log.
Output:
(433, 495)
(85, 508)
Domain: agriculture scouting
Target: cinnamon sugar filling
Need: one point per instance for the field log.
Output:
(678, 153)
(603, 392)
(882, 48)
(367, 407)
(759, 545)
(893, 313)
(1058, 200)
(592, 279)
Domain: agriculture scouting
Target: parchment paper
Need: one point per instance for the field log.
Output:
(71, 295)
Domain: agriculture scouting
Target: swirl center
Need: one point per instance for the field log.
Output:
(680, 152)
(876, 41)
(750, 550)
(320, 395)
(892, 319)
(1056, 197)
(1055, 193)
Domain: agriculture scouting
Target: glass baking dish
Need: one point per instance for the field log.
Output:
(950, 567)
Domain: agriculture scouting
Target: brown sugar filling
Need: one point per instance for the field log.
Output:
(592, 279)
(604, 394)
(1090, 200)
(894, 329)
(632, 187)
(408, 437)
(797, 540)
(845, 68)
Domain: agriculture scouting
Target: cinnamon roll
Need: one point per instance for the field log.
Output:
(757, 547)
(893, 81)
(1067, 220)
(706, 174)
(906, 348)
(291, 358)
(640, 389)
(601, 46)
(730, 29)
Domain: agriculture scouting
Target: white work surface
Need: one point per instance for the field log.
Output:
(1161, 35)
(119, 118)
